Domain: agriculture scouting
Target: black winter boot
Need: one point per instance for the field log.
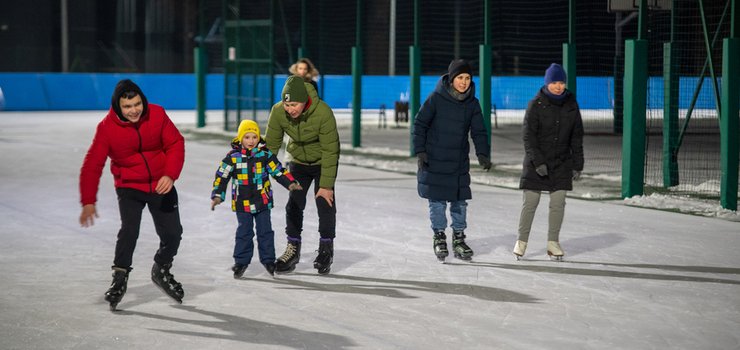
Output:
(162, 277)
(440, 245)
(326, 256)
(286, 262)
(117, 287)
(461, 249)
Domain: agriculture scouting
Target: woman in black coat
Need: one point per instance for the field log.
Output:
(553, 145)
(440, 138)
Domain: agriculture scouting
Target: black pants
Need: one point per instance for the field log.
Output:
(165, 215)
(305, 174)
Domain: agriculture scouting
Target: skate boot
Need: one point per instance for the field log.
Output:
(286, 263)
(162, 277)
(238, 270)
(440, 246)
(117, 287)
(326, 256)
(460, 248)
(555, 251)
(270, 267)
(519, 248)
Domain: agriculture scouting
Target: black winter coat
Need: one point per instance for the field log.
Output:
(553, 135)
(441, 130)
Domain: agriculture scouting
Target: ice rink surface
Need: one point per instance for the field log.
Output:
(633, 278)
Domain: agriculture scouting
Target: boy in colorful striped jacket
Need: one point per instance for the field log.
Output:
(249, 165)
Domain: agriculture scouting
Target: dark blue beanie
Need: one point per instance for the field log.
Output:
(555, 73)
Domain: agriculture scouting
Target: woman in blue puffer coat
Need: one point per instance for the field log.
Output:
(440, 137)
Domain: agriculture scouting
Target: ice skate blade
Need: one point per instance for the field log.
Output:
(113, 307)
(464, 258)
(285, 272)
(519, 257)
(178, 300)
(557, 258)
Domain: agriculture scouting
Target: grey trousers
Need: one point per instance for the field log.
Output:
(555, 217)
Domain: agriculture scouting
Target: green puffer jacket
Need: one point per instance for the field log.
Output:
(313, 136)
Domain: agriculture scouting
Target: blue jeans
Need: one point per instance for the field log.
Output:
(244, 246)
(438, 215)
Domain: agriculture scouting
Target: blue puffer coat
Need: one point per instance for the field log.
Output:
(441, 130)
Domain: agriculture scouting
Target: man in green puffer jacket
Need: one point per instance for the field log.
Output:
(314, 146)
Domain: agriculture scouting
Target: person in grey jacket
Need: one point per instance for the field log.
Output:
(553, 144)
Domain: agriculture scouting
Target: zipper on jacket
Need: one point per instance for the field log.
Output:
(146, 164)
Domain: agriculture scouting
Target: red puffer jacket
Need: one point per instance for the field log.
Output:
(141, 153)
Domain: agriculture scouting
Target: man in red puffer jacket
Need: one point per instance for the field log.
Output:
(147, 153)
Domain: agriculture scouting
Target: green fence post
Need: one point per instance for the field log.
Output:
(200, 86)
(414, 76)
(357, 80)
(569, 50)
(414, 92)
(635, 102)
(356, 96)
(485, 87)
(670, 117)
(729, 122)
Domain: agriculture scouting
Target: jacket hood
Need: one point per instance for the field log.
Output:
(127, 86)
(444, 82)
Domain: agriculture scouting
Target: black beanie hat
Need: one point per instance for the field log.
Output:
(457, 67)
(130, 90)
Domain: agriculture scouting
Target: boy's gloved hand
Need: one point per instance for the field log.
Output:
(484, 162)
(576, 175)
(421, 160)
(215, 201)
(541, 170)
(295, 186)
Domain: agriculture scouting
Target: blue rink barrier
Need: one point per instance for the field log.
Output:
(92, 91)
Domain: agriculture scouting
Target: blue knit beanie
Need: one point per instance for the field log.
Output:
(555, 73)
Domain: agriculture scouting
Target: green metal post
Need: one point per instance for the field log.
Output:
(200, 69)
(484, 53)
(415, 76)
(670, 117)
(485, 86)
(635, 103)
(357, 81)
(569, 49)
(729, 122)
(200, 86)
(670, 107)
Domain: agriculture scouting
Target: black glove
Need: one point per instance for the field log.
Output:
(484, 162)
(576, 175)
(421, 159)
(541, 169)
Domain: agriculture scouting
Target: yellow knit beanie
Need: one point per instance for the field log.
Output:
(247, 126)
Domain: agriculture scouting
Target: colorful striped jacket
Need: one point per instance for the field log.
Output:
(249, 171)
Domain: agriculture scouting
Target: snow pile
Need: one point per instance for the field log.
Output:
(683, 204)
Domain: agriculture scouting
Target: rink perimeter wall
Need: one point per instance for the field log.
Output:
(92, 91)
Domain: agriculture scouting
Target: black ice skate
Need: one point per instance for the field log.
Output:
(270, 267)
(323, 261)
(117, 287)
(440, 246)
(461, 250)
(162, 277)
(238, 270)
(286, 262)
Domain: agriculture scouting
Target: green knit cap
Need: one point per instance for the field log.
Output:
(294, 90)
